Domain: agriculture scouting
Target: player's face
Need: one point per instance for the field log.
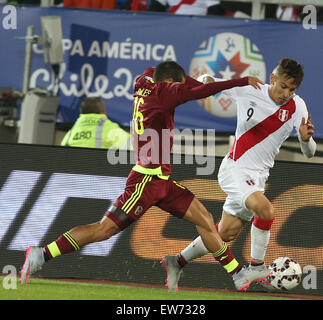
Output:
(281, 89)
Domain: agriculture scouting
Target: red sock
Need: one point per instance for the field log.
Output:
(181, 260)
(64, 244)
(262, 224)
(256, 264)
(225, 257)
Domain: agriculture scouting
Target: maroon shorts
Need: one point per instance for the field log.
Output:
(144, 191)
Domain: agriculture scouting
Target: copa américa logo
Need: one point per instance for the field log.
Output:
(226, 56)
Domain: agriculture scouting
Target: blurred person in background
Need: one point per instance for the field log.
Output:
(288, 12)
(133, 5)
(236, 9)
(197, 7)
(93, 129)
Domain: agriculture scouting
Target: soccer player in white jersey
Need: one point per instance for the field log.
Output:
(265, 119)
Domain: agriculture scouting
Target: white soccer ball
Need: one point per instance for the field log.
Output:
(287, 274)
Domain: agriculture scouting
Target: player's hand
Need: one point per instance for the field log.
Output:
(208, 79)
(255, 82)
(306, 129)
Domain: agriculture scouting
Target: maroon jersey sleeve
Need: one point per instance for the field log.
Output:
(174, 94)
(191, 82)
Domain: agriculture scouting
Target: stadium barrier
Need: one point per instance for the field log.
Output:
(46, 190)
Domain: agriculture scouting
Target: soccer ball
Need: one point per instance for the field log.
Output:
(287, 274)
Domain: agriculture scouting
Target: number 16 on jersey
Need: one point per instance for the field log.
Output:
(138, 117)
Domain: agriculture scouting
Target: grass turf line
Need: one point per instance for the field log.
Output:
(41, 289)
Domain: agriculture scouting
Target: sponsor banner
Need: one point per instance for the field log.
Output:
(105, 51)
(45, 191)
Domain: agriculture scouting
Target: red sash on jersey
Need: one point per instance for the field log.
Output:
(262, 130)
(175, 8)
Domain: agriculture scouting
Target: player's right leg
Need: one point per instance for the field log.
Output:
(260, 228)
(68, 242)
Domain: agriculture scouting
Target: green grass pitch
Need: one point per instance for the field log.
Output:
(44, 289)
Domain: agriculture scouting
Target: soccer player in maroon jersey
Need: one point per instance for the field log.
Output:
(157, 93)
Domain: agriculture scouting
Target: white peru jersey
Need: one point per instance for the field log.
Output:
(262, 125)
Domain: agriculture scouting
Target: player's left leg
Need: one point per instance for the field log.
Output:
(112, 223)
(258, 203)
(68, 242)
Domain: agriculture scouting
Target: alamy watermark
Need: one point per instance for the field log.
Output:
(154, 147)
(10, 280)
(310, 19)
(9, 17)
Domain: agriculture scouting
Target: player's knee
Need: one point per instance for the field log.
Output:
(266, 212)
(263, 209)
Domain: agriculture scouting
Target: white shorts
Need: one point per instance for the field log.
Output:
(239, 184)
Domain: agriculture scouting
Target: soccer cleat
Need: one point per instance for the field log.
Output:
(174, 271)
(33, 262)
(266, 284)
(244, 278)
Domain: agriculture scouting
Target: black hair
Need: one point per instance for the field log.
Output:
(169, 69)
(290, 69)
(92, 105)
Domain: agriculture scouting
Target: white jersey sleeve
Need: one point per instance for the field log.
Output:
(308, 147)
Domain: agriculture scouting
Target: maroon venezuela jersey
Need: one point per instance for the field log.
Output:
(153, 115)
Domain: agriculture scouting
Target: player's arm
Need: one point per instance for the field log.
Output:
(191, 82)
(305, 133)
(253, 81)
(185, 93)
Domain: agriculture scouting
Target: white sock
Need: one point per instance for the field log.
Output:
(194, 250)
(259, 242)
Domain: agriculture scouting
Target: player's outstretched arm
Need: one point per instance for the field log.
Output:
(209, 89)
(252, 81)
(180, 93)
